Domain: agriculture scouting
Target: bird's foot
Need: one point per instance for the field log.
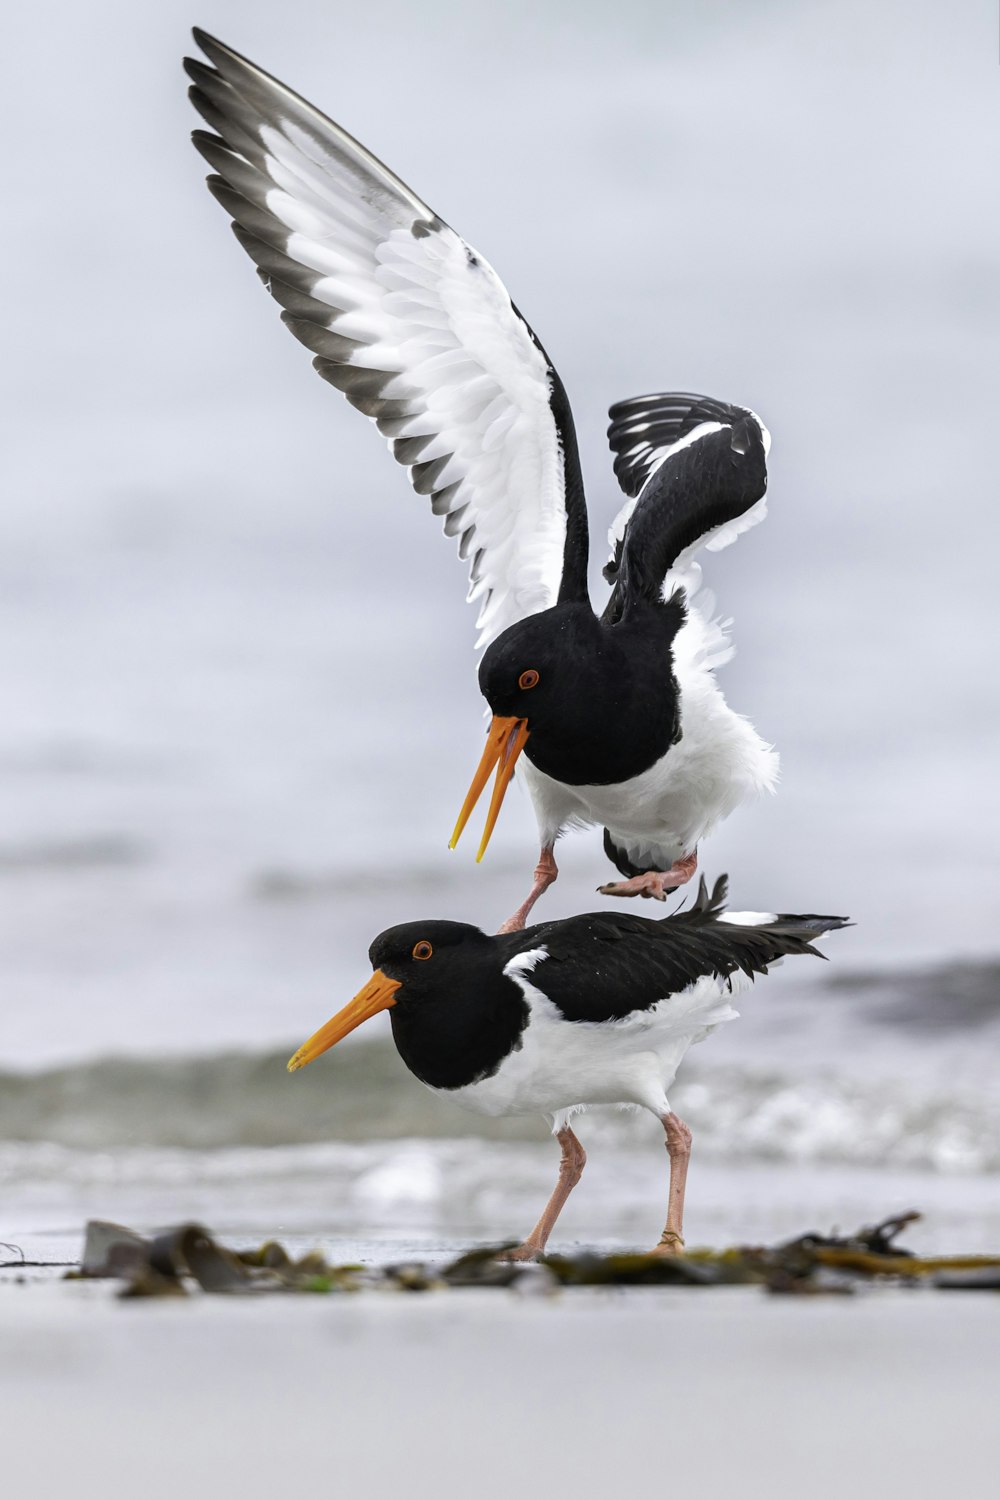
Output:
(546, 872)
(671, 1243)
(655, 883)
(524, 1252)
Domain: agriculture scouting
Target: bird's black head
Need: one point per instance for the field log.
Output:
(411, 965)
(454, 1013)
(588, 702)
(420, 956)
(457, 1015)
(528, 670)
(599, 703)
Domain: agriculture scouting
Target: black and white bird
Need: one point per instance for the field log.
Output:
(596, 1009)
(619, 716)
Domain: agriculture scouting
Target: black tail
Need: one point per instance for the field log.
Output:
(749, 946)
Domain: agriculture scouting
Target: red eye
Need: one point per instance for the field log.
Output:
(528, 679)
(423, 950)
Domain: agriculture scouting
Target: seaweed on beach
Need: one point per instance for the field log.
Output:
(186, 1257)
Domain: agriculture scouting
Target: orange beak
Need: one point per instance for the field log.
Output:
(378, 994)
(504, 742)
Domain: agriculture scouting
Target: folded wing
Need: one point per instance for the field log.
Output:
(631, 963)
(412, 326)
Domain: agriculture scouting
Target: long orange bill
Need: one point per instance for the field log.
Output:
(378, 994)
(504, 742)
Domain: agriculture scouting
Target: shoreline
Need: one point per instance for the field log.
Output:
(412, 1198)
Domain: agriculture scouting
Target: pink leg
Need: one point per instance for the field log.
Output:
(546, 871)
(679, 1151)
(571, 1165)
(655, 883)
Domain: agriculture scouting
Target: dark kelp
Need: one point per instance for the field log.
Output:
(187, 1256)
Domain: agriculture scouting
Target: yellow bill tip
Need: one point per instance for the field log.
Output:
(378, 994)
(504, 742)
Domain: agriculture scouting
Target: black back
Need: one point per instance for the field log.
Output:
(605, 966)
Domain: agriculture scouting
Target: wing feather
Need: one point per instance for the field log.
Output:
(411, 325)
(609, 966)
(695, 472)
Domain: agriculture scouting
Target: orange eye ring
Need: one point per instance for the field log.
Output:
(422, 949)
(528, 679)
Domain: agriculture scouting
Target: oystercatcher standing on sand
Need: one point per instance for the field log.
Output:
(619, 718)
(597, 1009)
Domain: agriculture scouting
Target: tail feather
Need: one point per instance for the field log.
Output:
(749, 940)
(807, 926)
(706, 905)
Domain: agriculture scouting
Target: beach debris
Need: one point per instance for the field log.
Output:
(983, 1278)
(871, 1254)
(111, 1250)
(483, 1267)
(186, 1257)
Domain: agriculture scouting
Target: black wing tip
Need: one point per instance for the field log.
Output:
(229, 64)
(223, 192)
(643, 428)
(197, 70)
(207, 141)
(667, 402)
(209, 43)
(217, 52)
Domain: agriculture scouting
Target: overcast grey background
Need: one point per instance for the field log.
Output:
(241, 710)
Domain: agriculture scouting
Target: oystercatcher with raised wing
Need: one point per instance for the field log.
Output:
(619, 717)
(596, 1009)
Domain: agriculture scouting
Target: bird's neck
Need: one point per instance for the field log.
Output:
(620, 711)
(463, 1034)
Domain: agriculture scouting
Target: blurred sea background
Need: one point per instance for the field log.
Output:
(240, 706)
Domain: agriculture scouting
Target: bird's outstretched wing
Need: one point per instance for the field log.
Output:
(411, 325)
(695, 472)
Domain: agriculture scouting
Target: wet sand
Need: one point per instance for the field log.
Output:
(705, 1393)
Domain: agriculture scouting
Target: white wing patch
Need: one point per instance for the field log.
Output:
(524, 963)
(412, 325)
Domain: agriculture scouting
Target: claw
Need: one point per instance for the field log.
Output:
(654, 883)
